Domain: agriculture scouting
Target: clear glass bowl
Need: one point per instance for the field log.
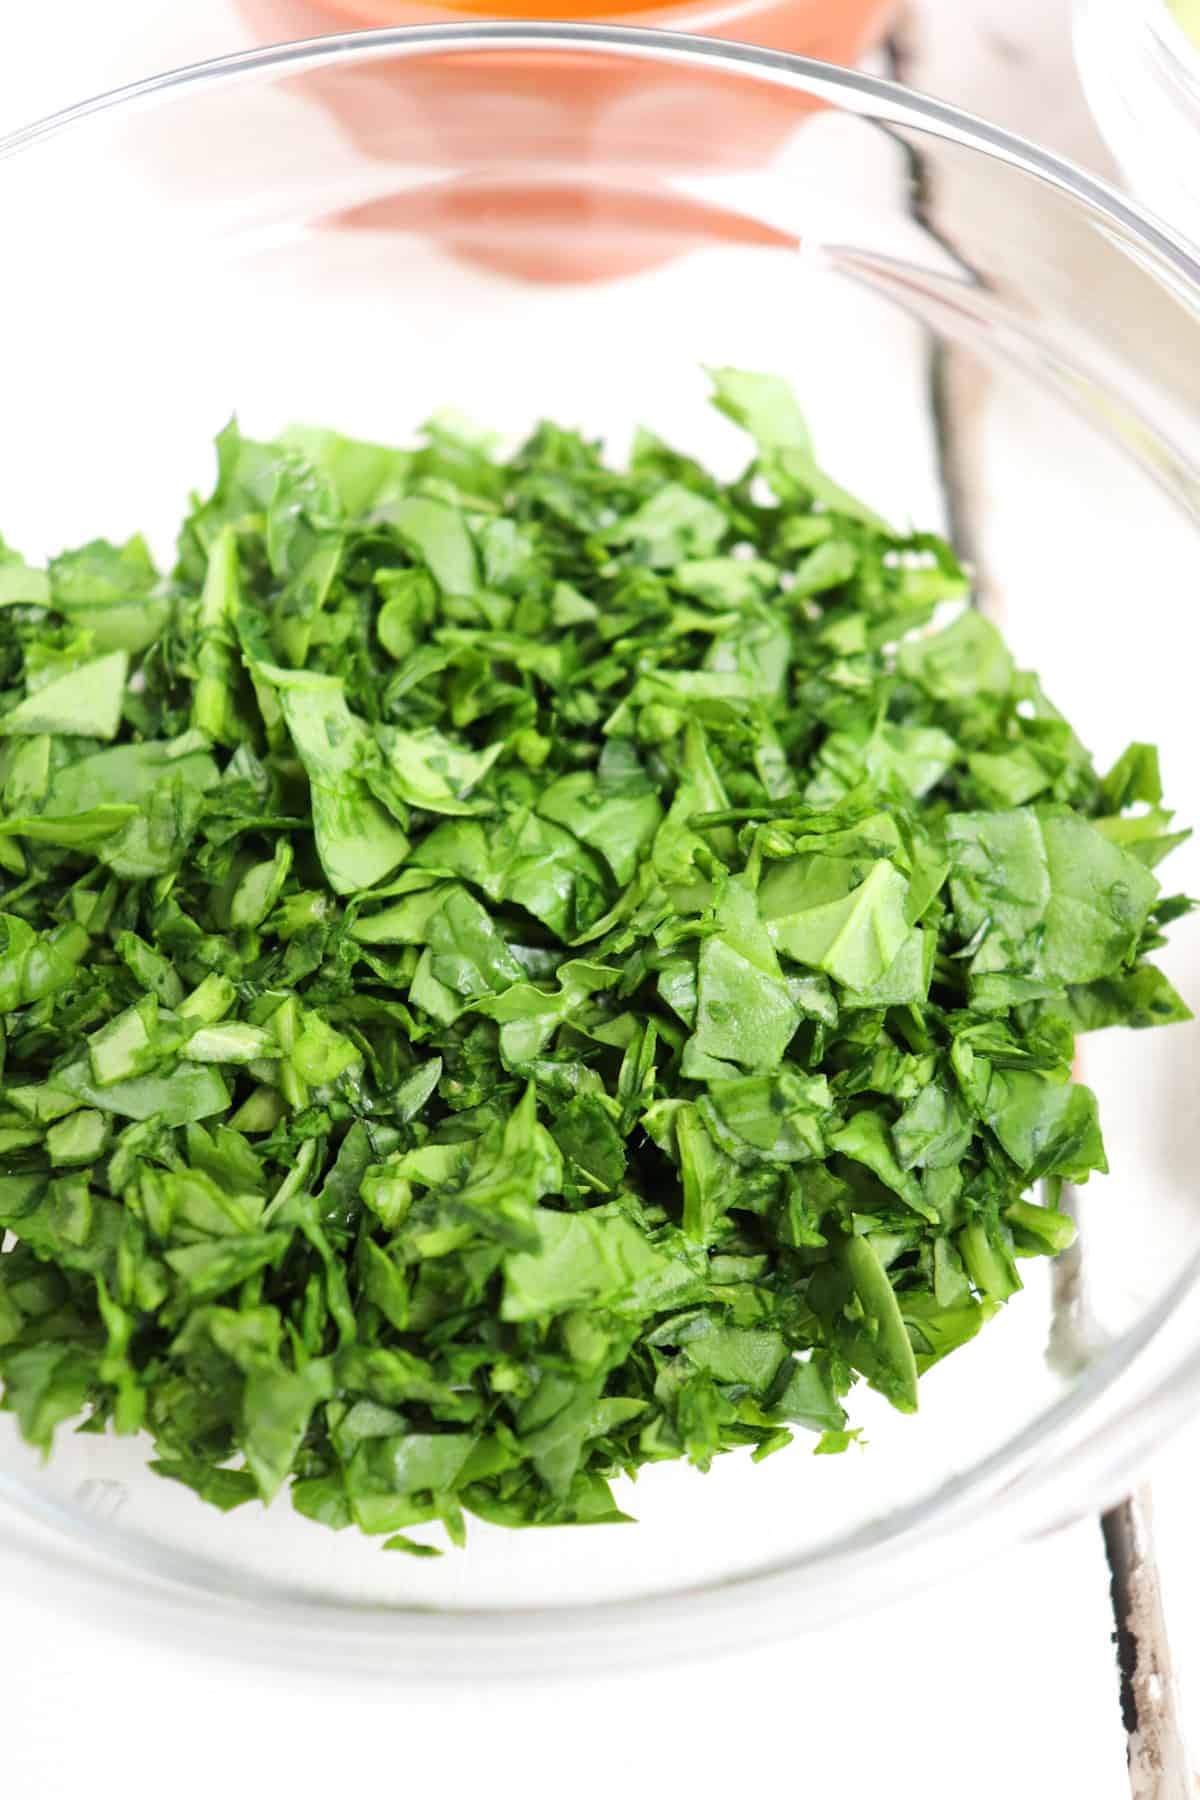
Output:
(523, 220)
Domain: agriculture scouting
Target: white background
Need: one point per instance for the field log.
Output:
(1001, 1683)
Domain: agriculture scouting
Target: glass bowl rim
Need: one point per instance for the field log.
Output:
(1008, 1494)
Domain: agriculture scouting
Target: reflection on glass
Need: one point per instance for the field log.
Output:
(608, 128)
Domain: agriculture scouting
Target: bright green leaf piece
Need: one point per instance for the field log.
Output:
(85, 702)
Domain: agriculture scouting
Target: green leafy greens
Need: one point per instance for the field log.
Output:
(513, 970)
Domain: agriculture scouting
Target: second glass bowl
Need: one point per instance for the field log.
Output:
(1140, 67)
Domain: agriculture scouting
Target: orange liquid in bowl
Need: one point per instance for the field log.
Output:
(562, 162)
(834, 30)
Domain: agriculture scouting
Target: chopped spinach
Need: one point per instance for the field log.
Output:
(514, 969)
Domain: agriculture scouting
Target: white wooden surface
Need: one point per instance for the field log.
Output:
(1004, 1684)
(1002, 1687)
